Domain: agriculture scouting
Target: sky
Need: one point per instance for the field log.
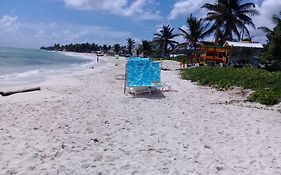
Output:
(36, 23)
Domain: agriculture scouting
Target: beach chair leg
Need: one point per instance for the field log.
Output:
(149, 90)
(170, 87)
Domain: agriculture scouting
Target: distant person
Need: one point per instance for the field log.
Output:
(182, 64)
(97, 59)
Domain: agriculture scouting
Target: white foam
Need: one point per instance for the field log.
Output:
(38, 75)
(35, 75)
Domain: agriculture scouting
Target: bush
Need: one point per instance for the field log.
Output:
(267, 85)
(265, 96)
(273, 67)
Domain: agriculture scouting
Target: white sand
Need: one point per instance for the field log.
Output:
(82, 123)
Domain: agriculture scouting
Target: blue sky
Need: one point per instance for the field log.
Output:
(33, 23)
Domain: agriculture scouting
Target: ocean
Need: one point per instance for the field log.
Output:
(22, 66)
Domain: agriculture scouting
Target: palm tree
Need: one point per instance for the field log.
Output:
(196, 30)
(273, 50)
(105, 48)
(130, 45)
(276, 20)
(165, 39)
(230, 16)
(146, 48)
(117, 48)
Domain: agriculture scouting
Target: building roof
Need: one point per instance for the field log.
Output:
(243, 44)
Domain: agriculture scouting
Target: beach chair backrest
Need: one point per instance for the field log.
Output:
(142, 72)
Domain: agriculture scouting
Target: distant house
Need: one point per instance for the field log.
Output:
(99, 53)
(208, 53)
(181, 51)
(243, 50)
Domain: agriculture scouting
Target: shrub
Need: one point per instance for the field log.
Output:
(273, 67)
(265, 96)
(267, 85)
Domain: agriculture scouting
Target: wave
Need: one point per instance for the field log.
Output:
(20, 75)
(38, 75)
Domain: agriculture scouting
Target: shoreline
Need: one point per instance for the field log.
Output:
(82, 123)
(90, 56)
(40, 75)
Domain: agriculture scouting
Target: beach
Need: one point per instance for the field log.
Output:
(82, 123)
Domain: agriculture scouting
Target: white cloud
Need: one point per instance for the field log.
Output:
(46, 34)
(137, 9)
(8, 23)
(184, 27)
(96, 4)
(186, 7)
(266, 9)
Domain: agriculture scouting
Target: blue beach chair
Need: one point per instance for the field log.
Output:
(142, 75)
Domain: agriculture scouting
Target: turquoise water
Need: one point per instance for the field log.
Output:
(142, 72)
(19, 65)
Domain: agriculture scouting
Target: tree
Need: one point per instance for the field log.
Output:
(277, 21)
(165, 39)
(273, 51)
(105, 48)
(130, 45)
(116, 48)
(230, 17)
(145, 48)
(57, 46)
(196, 30)
(83, 47)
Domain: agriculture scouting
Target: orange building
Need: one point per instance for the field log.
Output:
(243, 50)
(210, 54)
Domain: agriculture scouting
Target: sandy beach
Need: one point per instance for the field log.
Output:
(82, 123)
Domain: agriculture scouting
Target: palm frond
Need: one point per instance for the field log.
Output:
(265, 29)
(276, 19)
(211, 7)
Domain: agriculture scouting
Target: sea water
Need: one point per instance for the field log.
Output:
(22, 66)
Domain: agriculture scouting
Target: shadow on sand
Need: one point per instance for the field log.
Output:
(158, 95)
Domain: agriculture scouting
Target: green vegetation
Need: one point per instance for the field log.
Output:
(117, 48)
(196, 30)
(230, 17)
(84, 47)
(145, 48)
(266, 85)
(272, 52)
(165, 40)
(130, 45)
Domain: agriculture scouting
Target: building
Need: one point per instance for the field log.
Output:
(243, 50)
(210, 54)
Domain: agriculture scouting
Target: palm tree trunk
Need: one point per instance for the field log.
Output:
(165, 49)
(195, 52)
(196, 56)
(215, 44)
(215, 50)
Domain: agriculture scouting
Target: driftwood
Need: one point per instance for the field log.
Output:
(20, 91)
